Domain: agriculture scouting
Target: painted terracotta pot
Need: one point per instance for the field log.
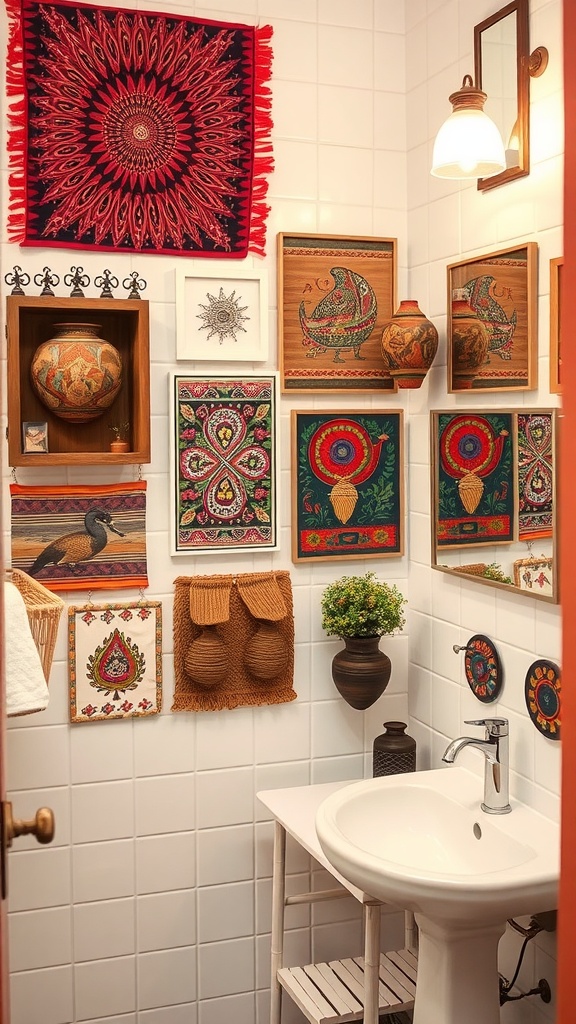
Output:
(361, 671)
(409, 344)
(76, 374)
(469, 344)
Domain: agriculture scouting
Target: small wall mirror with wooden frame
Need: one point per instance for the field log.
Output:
(494, 498)
(503, 66)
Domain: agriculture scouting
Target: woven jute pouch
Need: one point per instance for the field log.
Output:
(236, 608)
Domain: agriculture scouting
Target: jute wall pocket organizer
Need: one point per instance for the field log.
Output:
(233, 641)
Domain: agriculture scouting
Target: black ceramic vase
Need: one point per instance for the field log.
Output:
(361, 671)
(393, 751)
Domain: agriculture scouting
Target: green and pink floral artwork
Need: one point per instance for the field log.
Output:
(224, 463)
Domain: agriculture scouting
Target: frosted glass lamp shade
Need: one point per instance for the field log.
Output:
(468, 144)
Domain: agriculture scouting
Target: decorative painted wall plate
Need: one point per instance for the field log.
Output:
(542, 691)
(483, 669)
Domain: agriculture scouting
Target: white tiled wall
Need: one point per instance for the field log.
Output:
(153, 905)
(448, 220)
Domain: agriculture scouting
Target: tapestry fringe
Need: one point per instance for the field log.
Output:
(263, 124)
(16, 123)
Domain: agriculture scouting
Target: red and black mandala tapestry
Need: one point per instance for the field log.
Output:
(134, 131)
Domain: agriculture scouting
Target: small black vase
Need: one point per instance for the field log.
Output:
(361, 671)
(393, 752)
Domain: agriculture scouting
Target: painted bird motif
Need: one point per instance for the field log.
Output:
(481, 294)
(80, 546)
(343, 319)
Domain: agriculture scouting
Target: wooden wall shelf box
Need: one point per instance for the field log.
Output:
(124, 323)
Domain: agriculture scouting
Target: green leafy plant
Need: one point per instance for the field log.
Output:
(362, 606)
(495, 572)
(120, 430)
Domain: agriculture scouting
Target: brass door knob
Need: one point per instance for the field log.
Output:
(41, 826)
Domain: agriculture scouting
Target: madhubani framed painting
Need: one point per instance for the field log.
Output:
(224, 463)
(492, 321)
(556, 273)
(347, 485)
(221, 312)
(115, 660)
(335, 293)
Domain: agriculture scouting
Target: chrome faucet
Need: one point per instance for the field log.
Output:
(494, 746)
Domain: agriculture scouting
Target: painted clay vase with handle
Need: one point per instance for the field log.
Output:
(469, 342)
(361, 672)
(409, 344)
(76, 374)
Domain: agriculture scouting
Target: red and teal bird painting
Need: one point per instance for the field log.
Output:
(343, 320)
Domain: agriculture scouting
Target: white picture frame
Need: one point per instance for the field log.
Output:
(221, 313)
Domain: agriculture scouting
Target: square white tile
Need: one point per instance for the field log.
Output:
(103, 870)
(104, 929)
(166, 920)
(105, 987)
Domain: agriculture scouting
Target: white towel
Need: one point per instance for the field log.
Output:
(26, 689)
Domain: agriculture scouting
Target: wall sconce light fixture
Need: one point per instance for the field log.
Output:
(468, 144)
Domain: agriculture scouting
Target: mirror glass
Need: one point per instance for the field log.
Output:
(501, 70)
(494, 497)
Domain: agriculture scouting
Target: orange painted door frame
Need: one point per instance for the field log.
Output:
(567, 904)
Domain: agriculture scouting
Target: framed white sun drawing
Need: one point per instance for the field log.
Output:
(221, 314)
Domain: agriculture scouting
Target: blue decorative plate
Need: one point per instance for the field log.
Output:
(542, 692)
(483, 669)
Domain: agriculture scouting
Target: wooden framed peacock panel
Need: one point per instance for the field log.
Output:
(492, 321)
(347, 485)
(335, 293)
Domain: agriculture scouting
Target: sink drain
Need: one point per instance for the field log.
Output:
(477, 830)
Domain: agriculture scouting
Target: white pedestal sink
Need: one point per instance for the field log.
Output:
(422, 842)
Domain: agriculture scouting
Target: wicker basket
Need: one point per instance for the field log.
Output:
(44, 610)
(475, 569)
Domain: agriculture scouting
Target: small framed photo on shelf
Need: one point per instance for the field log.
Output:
(492, 321)
(335, 293)
(556, 266)
(221, 313)
(34, 437)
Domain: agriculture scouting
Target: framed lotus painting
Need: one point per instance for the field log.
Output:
(335, 293)
(224, 494)
(347, 485)
(492, 321)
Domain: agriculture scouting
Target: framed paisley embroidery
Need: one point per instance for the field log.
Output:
(224, 490)
(115, 660)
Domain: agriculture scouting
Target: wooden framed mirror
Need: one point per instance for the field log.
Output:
(501, 66)
(493, 492)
